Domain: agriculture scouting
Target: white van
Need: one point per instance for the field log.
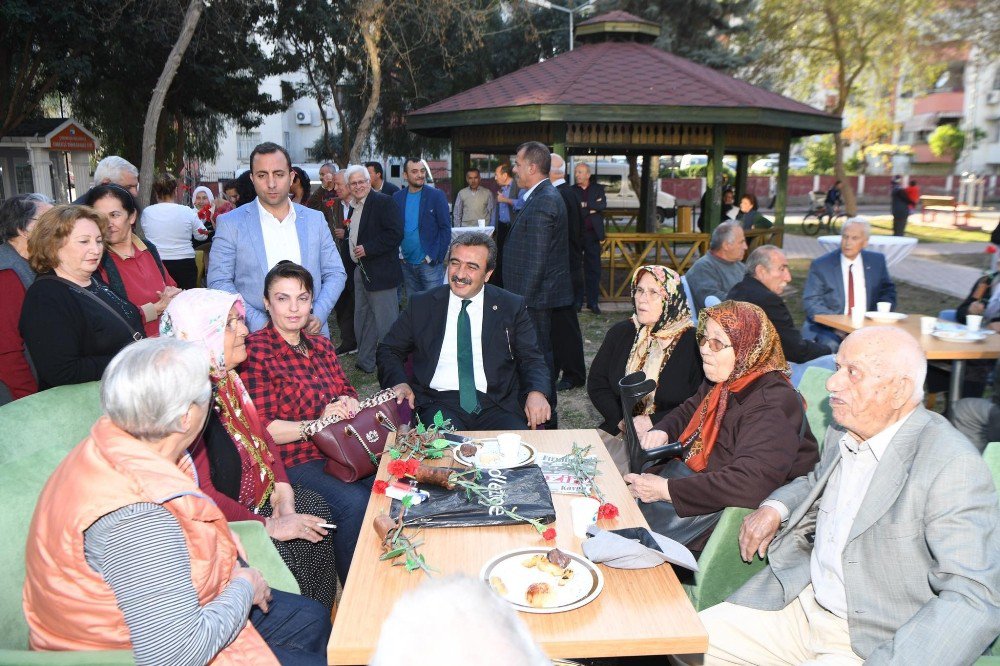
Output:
(614, 177)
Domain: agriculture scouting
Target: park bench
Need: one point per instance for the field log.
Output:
(934, 204)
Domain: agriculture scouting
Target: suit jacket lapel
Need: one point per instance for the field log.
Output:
(491, 319)
(833, 436)
(302, 231)
(256, 234)
(890, 475)
(440, 321)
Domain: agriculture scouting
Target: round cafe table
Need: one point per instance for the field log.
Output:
(895, 248)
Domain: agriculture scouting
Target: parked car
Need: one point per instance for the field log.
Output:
(769, 165)
(614, 177)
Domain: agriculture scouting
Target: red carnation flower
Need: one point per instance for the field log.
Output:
(607, 511)
(397, 468)
(329, 203)
(991, 249)
(549, 534)
(380, 487)
(411, 466)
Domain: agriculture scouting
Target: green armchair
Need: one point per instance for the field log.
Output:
(36, 432)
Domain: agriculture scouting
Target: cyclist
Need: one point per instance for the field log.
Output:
(833, 199)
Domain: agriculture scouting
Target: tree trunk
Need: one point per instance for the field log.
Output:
(191, 18)
(371, 31)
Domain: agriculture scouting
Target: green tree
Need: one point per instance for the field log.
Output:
(820, 156)
(947, 141)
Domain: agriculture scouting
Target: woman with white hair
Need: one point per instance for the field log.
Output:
(161, 573)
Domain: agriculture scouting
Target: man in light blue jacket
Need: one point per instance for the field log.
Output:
(250, 240)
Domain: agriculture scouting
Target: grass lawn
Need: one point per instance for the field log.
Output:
(882, 226)
(575, 409)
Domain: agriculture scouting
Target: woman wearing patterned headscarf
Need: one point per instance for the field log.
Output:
(745, 429)
(238, 463)
(658, 339)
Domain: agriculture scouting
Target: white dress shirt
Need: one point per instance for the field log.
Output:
(446, 374)
(860, 295)
(531, 190)
(281, 239)
(838, 508)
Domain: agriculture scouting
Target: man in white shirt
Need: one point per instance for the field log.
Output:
(889, 551)
(474, 350)
(250, 240)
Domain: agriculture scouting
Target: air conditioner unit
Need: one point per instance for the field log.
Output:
(303, 118)
(993, 97)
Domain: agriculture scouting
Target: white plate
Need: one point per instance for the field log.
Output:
(525, 456)
(959, 336)
(885, 316)
(586, 583)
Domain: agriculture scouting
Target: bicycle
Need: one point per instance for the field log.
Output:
(816, 218)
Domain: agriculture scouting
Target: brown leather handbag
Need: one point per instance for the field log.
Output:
(352, 446)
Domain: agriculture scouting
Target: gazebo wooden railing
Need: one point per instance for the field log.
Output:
(622, 253)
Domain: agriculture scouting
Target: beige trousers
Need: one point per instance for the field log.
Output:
(801, 633)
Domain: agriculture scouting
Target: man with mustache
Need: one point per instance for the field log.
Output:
(475, 352)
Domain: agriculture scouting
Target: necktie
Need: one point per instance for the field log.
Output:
(466, 375)
(850, 289)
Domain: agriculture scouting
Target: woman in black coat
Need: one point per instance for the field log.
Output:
(658, 339)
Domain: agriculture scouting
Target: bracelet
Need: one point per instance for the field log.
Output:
(302, 430)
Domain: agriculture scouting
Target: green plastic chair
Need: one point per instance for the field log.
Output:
(812, 386)
(36, 433)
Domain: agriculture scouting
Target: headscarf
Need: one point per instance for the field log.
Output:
(758, 351)
(201, 316)
(208, 193)
(654, 344)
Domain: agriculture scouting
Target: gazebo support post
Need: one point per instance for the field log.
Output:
(713, 178)
(559, 143)
(742, 167)
(781, 201)
(646, 221)
(459, 159)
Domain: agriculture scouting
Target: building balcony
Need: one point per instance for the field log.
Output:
(922, 155)
(943, 104)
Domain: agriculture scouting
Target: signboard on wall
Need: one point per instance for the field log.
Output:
(72, 138)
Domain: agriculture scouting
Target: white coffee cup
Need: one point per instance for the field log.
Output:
(973, 322)
(884, 306)
(481, 223)
(510, 446)
(927, 325)
(858, 316)
(584, 511)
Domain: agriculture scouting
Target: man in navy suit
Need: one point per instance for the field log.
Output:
(426, 230)
(250, 240)
(845, 278)
(475, 354)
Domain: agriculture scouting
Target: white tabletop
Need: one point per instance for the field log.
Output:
(895, 248)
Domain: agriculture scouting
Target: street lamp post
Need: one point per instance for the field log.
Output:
(572, 13)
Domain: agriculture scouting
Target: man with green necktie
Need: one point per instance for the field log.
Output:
(474, 349)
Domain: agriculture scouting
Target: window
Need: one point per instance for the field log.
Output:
(612, 183)
(245, 143)
(23, 181)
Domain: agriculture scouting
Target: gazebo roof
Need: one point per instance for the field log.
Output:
(619, 82)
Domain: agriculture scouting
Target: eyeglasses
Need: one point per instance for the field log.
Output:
(235, 323)
(648, 293)
(714, 344)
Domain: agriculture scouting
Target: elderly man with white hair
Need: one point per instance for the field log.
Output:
(888, 551)
(118, 171)
(843, 279)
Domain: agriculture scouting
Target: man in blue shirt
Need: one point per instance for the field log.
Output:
(426, 230)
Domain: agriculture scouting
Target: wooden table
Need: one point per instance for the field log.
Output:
(936, 350)
(639, 612)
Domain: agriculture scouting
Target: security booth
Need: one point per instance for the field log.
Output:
(51, 156)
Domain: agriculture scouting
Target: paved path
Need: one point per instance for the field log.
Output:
(916, 269)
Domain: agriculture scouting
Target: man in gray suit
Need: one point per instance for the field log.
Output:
(888, 551)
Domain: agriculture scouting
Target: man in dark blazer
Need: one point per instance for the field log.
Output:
(827, 285)
(567, 339)
(766, 279)
(501, 381)
(426, 230)
(535, 260)
(374, 235)
(379, 183)
(593, 202)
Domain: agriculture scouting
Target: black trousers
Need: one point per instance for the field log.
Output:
(344, 309)
(490, 417)
(592, 267)
(183, 271)
(567, 346)
(899, 225)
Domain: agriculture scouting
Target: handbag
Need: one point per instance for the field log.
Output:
(352, 446)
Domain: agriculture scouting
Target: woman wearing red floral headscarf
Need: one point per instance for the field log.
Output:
(744, 429)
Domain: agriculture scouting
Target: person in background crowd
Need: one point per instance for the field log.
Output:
(749, 217)
(745, 429)
(900, 206)
(474, 202)
(888, 552)
(131, 266)
(259, 234)
(300, 187)
(426, 230)
(238, 463)
(729, 208)
(842, 279)
(658, 339)
(567, 338)
(913, 193)
(375, 232)
(834, 199)
(171, 227)
(345, 305)
(18, 216)
(506, 197)
(207, 208)
(245, 188)
(593, 201)
(231, 192)
(325, 199)
(715, 272)
(72, 323)
(116, 170)
(294, 378)
(379, 183)
(979, 418)
(125, 553)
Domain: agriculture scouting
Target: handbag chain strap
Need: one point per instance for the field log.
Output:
(379, 398)
(349, 429)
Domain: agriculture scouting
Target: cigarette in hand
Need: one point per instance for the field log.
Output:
(328, 526)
